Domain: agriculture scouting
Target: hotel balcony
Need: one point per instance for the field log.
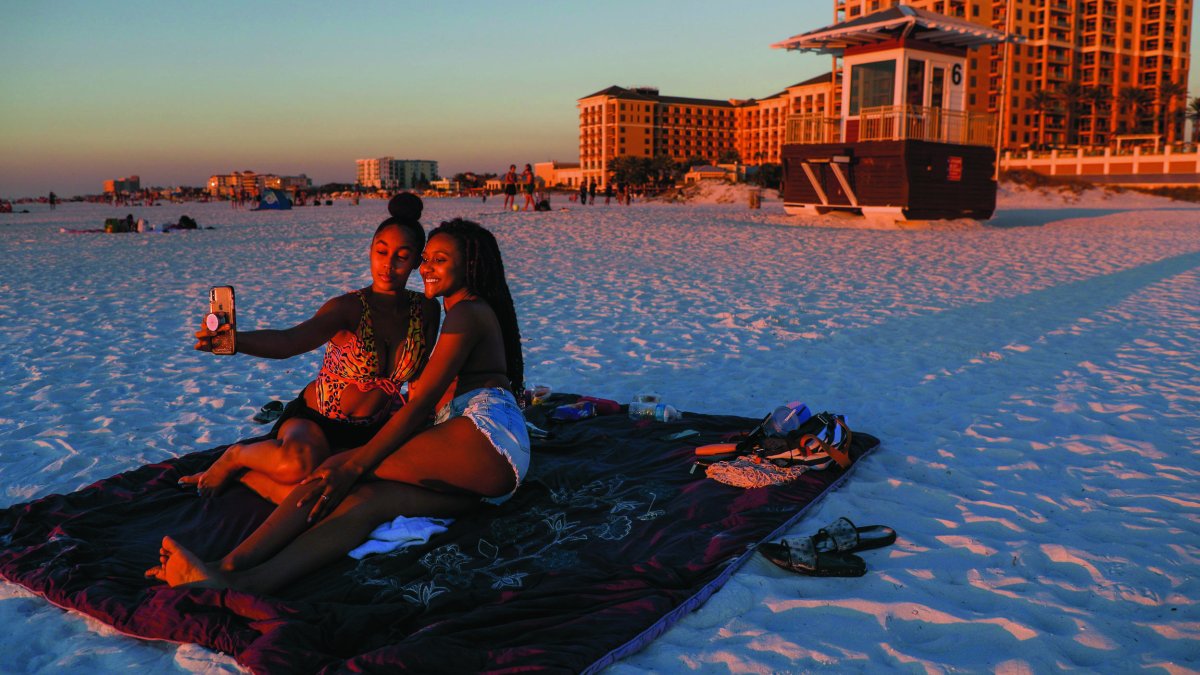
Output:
(897, 123)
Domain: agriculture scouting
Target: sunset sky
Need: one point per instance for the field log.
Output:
(178, 91)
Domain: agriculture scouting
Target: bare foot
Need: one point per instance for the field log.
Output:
(224, 471)
(181, 567)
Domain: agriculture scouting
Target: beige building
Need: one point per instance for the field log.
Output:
(761, 122)
(387, 173)
(123, 185)
(641, 123)
(232, 184)
(1087, 72)
(558, 174)
(285, 183)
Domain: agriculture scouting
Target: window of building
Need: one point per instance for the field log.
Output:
(937, 88)
(872, 85)
(915, 93)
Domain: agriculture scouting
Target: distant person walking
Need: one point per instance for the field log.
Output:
(529, 185)
(53, 199)
(583, 192)
(592, 192)
(608, 192)
(510, 188)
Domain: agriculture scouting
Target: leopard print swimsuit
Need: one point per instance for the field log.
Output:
(357, 362)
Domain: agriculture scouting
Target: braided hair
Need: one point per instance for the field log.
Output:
(485, 279)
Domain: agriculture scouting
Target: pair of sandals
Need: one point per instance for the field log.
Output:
(269, 412)
(829, 552)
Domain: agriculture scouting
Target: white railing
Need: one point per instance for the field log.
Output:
(896, 123)
(812, 128)
(1095, 164)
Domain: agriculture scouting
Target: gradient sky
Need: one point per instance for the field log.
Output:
(176, 91)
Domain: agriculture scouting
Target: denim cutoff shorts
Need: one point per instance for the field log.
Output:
(497, 416)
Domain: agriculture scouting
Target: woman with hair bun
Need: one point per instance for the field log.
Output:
(477, 451)
(376, 339)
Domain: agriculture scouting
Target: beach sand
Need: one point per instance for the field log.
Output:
(1035, 380)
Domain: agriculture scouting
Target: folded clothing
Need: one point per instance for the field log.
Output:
(744, 472)
(401, 533)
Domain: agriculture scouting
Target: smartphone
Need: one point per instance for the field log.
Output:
(220, 313)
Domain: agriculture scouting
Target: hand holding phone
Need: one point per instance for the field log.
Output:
(221, 322)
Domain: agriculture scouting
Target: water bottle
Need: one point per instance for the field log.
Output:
(642, 406)
(639, 410)
(666, 413)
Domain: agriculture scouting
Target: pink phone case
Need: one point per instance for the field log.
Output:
(221, 304)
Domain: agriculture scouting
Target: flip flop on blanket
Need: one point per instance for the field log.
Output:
(802, 557)
(269, 412)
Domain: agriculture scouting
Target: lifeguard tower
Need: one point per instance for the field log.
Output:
(904, 146)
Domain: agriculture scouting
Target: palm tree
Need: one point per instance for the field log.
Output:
(1193, 114)
(1136, 100)
(1168, 94)
(1097, 99)
(1071, 94)
(1043, 102)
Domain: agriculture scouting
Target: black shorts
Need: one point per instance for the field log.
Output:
(510, 189)
(340, 435)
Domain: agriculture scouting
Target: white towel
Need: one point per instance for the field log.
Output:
(400, 533)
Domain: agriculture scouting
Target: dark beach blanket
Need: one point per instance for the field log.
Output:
(608, 543)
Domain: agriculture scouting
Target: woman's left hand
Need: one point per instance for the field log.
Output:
(331, 482)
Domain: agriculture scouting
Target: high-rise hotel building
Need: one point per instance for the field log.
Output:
(1090, 58)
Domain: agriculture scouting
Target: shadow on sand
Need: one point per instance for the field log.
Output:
(1009, 218)
(933, 360)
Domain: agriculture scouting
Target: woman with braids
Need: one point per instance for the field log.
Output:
(477, 451)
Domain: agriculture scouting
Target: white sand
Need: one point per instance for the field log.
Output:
(1035, 381)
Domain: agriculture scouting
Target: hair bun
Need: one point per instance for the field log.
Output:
(406, 206)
